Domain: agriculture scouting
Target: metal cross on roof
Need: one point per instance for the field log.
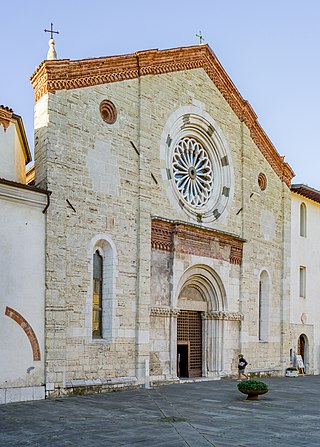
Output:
(51, 31)
(200, 37)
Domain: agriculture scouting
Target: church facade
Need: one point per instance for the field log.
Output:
(168, 230)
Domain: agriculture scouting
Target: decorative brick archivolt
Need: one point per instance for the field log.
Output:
(222, 315)
(195, 240)
(164, 312)
(5, 116)
(22, 322)
(53, 75)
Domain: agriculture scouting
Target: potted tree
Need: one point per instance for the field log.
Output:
(253, 388)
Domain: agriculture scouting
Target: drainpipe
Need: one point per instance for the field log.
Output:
(242, 235)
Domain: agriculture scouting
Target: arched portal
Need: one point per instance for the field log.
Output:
(303, 348)
(200, 324)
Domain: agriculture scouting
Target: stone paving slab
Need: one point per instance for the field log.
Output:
(197, 414)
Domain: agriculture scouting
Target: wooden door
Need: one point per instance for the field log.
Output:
(189, 332)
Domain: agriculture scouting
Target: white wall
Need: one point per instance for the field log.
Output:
(305, 251)
(22, 280)
(13, 162)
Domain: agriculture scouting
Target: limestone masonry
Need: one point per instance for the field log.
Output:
(168, 228)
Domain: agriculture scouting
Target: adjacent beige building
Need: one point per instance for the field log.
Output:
(305, 284)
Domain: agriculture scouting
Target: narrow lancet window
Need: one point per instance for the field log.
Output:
(263, 307)
(302, 282)
(97, 295)
(303, 220)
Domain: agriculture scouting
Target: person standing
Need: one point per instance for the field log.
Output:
(242, 363)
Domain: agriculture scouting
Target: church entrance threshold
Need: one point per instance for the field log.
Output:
(189, 344)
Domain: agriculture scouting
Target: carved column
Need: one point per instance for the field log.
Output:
(214, 327)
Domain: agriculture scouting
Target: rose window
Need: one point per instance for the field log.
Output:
(192, 171)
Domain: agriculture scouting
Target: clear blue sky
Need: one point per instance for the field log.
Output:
(269, 48)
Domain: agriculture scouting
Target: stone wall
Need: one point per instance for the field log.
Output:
(108, 180)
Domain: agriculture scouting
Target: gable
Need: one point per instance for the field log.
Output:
(64, 74)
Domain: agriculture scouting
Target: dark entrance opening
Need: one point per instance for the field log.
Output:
(183, 360)
(301, 347)
(189, 344)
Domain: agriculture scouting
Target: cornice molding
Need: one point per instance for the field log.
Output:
(13, 192)
(164, 312)
(175, 236)
(64, 74)
(210, 315)
(222, 315)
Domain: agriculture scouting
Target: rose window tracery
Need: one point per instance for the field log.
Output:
(192, 171)
(196, 164)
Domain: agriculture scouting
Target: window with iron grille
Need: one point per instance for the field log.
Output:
(97, 295)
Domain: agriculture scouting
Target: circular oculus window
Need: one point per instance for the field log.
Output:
(262, 181)
(108, 111)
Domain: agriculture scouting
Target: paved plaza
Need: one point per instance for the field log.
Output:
(205, 413)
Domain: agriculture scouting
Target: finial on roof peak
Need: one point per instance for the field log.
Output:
(200, 37)
(52, 54)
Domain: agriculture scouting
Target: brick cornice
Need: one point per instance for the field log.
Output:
(5, 116)
(53, 75)
(180, 237)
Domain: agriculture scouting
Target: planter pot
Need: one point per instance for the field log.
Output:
(292, 373)
(253, 394)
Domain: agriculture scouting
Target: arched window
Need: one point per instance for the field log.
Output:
(97, 295)
(303, 220)
(264, 290)
(101, 295)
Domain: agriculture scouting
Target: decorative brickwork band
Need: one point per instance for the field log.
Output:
(64, 74)
(27, 329)
(222, 315)
(161, 236)
(195, 240)
(164, 312)
(235, 254)
(5, 116)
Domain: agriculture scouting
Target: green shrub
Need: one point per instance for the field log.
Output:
(252, 385)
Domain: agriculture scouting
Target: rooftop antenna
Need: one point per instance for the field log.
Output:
(200, 37)
(52, 51)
